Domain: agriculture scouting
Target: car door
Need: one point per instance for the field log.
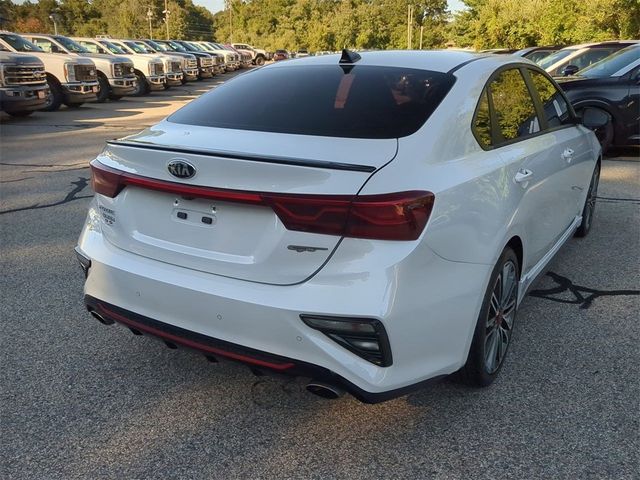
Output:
(569, 145)
(631, 110)
(535, 174)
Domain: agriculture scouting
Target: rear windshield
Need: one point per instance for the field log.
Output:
(323, 100)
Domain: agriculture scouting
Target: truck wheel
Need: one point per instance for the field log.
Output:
(21, 113)
(55, 95)
(259, 60)
(105, 88)
(142, 87)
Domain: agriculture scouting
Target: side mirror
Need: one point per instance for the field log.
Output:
(570, 70)
(594, 118)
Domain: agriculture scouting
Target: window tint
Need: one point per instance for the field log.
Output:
(482, 122)
(556, 110)
(613, 63)
(590, 57)
(324, 100)
(514, 109)
(91, 47)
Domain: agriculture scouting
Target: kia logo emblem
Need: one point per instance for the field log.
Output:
(181, 168)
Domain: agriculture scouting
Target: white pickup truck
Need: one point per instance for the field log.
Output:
(258, 55)
(71, 80)
(115, 74)
(148, 69)
(23, 84)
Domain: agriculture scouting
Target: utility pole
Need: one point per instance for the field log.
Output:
(149, 17)
(230, 4)
(166, 16)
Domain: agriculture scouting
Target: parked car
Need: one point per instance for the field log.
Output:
(258, 55)
(148, 69)
(206, 61)
(218, 58)
(192, 71)
(570, 60)
(302, 53)
(115, 74)
(231, 58)
(280, 55)
(371, 231)
(71, 80)
(23, 84)
(536, 54)
(245, 56)
(611, 85)
(172, 63)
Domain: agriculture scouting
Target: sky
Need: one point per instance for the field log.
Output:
(216, 5)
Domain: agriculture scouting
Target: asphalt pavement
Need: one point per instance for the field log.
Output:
(82, 400)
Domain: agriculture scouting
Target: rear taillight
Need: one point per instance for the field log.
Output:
(391, 216)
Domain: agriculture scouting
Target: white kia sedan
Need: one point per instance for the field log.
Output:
(372, 227)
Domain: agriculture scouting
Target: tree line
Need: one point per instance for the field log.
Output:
(334, 24)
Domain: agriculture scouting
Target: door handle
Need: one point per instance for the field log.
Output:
(523, 176)
(567, 155)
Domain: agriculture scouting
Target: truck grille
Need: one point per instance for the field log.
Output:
(85, 73)
(175, 66)
(24, 75)
(157, 69)
(219, 59)
(192, 63)
(122, 69)
(206, 61)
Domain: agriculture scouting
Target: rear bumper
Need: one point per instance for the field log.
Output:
(23, 98)
(427, 305)
(215, 348)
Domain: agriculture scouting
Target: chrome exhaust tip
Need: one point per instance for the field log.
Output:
(324, 390)
(100, 318)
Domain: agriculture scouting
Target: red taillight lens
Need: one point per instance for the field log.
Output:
(106, 181)
(392, 216)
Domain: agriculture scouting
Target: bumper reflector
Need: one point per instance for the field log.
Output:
(365, 337)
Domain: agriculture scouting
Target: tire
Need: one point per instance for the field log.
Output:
(105, 89)
(494, 327)
(55, 95)
(142, 87)
(589, 204)
(259, 60)
(21, 113)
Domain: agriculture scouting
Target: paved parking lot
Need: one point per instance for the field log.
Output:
(81, 400)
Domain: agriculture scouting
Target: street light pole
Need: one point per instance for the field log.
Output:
(149, 17)
(54, 18)
(166, 16)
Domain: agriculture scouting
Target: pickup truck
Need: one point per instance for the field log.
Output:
(258, 56)
(148, 69)
(173, 64)
(115, 74)
(206, 61)
(231, 58)
(192, 72)
(71, 80)
(23, 84)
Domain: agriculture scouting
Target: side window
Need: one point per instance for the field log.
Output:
(482, 122)
(556, 110)
(92, 47)
(45, 45)
(513, 107)
(590, 57)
